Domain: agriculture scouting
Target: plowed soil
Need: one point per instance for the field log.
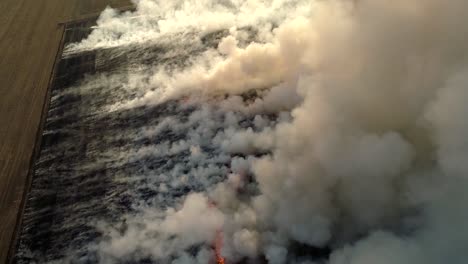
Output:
(30, 35)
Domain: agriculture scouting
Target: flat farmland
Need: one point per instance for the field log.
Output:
(30, 35)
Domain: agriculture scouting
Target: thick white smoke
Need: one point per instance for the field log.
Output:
(368, 155)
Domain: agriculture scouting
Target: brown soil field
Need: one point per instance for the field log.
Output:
(30, 35)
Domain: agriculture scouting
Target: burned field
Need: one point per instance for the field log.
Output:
(99, 166)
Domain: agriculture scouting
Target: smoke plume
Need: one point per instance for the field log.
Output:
(326, 131)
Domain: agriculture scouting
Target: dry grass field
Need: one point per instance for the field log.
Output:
(30, 36)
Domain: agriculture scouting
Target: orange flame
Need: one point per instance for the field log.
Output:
(218, 242)
(218, 247)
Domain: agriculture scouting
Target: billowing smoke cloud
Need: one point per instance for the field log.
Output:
(357, 142)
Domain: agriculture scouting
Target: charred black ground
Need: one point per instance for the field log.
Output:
(76, 185)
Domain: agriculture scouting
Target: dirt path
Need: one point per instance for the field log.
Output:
(29, 39)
